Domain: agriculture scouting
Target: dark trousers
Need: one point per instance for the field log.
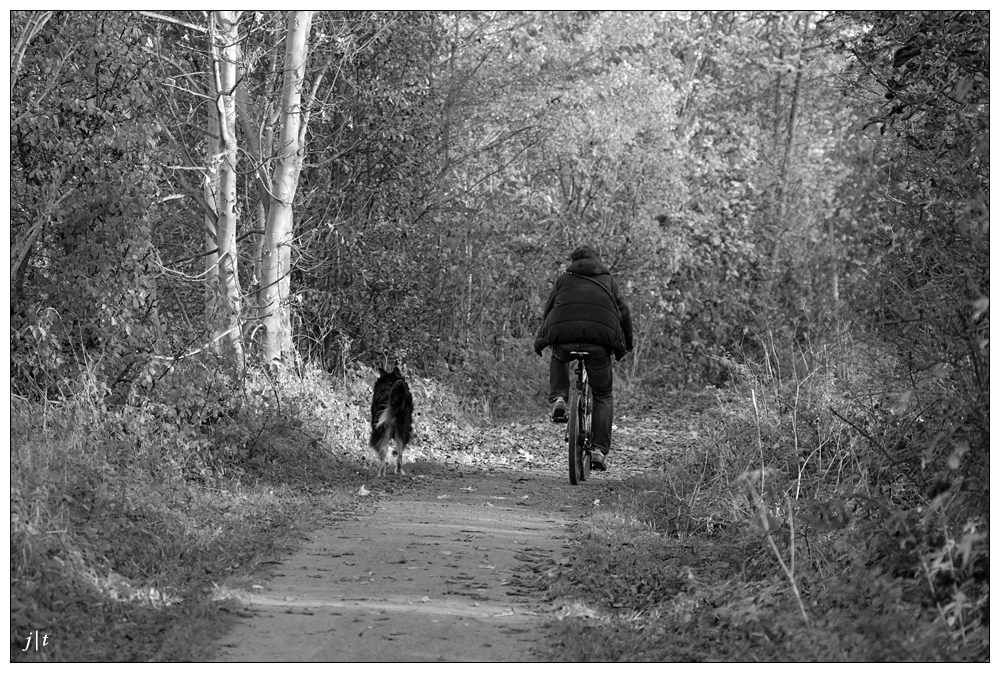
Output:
(601, 378)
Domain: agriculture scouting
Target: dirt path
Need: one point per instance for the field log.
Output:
(449, 563)
(439, 568)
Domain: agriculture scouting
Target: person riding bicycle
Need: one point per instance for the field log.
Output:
(586, 312)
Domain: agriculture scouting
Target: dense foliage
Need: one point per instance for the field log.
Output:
(796, 204)
(83, 186)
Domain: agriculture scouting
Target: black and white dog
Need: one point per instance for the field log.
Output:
(392, 417)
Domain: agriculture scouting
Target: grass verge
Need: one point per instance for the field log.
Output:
(130, 526)
(780, 535)
(636, 591)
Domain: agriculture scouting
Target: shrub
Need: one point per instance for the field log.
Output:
(122, 515)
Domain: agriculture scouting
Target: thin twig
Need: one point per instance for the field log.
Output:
(885, 452)
(789, 573)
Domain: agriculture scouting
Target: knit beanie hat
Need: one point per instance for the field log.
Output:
(583, 251)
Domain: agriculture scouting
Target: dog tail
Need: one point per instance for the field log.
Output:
(396, 416)
(385, 418)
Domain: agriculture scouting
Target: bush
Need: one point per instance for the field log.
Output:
(795, 530)
(123, 516)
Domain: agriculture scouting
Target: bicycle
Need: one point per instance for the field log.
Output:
(579, 433)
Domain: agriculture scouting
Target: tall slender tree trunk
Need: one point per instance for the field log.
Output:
(229, 303)
(793, 119)
(254, 142)
(210, 190)
(786, 159)
(276, 256)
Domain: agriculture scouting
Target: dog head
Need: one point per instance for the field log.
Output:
(395, 373)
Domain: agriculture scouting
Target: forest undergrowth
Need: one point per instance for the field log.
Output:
(777, 532)
(133, 524)
(747, 522)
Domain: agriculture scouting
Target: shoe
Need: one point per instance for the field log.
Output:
(598, 461)
(559, 411)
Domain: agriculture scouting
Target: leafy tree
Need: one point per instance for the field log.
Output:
(364, 268)
(84, 181)
(243, 109)
(922, 80)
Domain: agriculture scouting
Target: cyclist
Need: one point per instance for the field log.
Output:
(586, 312)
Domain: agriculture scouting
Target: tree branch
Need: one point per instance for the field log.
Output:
(36, 21)
(170, 19)
(19, 251)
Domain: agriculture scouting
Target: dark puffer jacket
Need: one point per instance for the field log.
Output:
(586, 306)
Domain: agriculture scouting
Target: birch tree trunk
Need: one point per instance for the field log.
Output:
(262, 115)
(276, 257)
(210, 190)
(228, 301)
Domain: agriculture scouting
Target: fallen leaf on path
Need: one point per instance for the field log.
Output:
(577, 609)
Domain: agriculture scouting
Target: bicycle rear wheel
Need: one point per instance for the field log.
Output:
(586, 430)
(575, 437)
